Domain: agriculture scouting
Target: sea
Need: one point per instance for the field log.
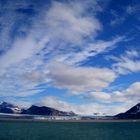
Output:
(22, 130)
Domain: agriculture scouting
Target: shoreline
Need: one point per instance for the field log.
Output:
(67, 121)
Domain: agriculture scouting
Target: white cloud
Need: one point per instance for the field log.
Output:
(127, 63)
(83, 109)
(21, 50)
(68, 22)
(127, 96)
(100, 96)
(20, 80)
(94, 49)
(16, 85)
(80, 79)
(14, 22)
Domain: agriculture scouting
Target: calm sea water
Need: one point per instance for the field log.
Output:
(69, 131)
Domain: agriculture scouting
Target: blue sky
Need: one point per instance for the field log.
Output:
(72, 55)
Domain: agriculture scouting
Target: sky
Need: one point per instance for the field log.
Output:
(72, 55)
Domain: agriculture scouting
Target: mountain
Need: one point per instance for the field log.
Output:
(33, 110)
(9, 108)
(133, 113)
(43, 110)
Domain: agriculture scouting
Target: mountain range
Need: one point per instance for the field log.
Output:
(132, 113)
(33, 110)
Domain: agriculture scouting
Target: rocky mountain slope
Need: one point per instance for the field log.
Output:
(133, 113)
(9, 108)
(33, 110)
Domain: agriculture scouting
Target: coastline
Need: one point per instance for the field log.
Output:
(68, 121)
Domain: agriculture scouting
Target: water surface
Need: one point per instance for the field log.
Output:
(69, 131)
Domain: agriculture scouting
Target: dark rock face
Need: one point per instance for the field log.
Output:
(133, 113)
(6, 108)
(5, 104)
(36, 110)
(33, 110)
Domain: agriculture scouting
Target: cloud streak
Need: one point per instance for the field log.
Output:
(127, 63)
(128, 96)
(80, 79)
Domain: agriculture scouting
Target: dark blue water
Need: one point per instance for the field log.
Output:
(69, 131)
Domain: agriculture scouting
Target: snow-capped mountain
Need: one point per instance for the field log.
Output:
(33, 110)
(9, 108)
(132, 113)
